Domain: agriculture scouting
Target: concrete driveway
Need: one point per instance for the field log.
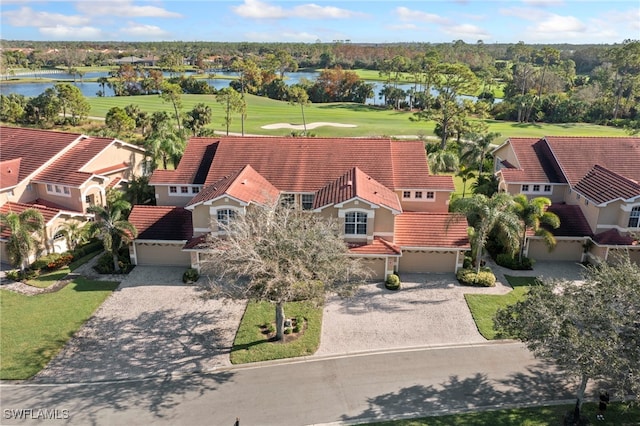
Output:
(151, 325)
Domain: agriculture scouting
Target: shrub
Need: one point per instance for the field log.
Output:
(468, 262)
(513, 263)
(190, 275)
(104, 265)
(393, 282)
(482, 279)
(52, 261)
(87, 248)
(14, 275)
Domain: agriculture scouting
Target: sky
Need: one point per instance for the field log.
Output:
(359, 21)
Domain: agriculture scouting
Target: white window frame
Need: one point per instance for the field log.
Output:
(307, 202)
(430, 195)
(634, 214)
(355, 218)
(406, 195)
(548, 188)
(173, 189)
(536, 187)
(58, 190)
(229, 213)
(418, 195)
(525, 187)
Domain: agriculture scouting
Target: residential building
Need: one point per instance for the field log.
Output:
(393, 212)
(593, 183)
(61, 175)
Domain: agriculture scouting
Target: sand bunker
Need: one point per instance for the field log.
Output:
(301, 127)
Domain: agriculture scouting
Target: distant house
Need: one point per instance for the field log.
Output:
(61, 174)
(392, 210)
(594, 184)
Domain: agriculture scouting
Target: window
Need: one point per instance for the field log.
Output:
(58, 189)
(307, 201)
(287, 200)
(355, 223)
(29, 187)
(184, 189)
(58, 236)
(586, 202)
(418, 194)
(525, 188)
(547, 188)
(224, 216)
(577, 196)
(536, 188)
(173, 189)
(406, 194)
(634, 218)
(195, 190)
(66, 190)
(431, 195)
(49, 187)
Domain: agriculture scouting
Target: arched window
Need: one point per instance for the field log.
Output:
(634, 217)
(355, 223)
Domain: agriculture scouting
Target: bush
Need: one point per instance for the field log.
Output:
(14, 275)
(482, 279)
(468, 262)
(393, 282)
(52, 261)
(105, 263)
(87, 248)
(511, 262)
(190, 276)
(17, 275)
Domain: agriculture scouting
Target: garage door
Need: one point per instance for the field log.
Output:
(162, 254)
(376, 267)
(427, 261)
(564, 251)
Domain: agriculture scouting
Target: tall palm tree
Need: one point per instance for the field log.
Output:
(485, 215)
(465, 174)
(22, 242)
(112, 227)
(533, 213)
(74, 232)
(475, 150)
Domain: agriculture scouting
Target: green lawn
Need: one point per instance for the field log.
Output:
(370, 120)
(35, 328)
(617, 414)
(251, 345)
(49, 278)
(483, 307)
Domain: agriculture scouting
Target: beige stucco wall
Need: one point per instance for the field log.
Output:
(164, 198)
(376, 267)
(202, 217)
(117, 154)
(413, 261)
(565, 250)
(19, 194)
(439, 204)
(505, 153)
(166, 254)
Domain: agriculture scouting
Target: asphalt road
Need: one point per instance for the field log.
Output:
(332, 390)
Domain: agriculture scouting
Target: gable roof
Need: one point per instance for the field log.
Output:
(435, 230)
(356, 184)
(572, 221)
(9, 171)
(48, 213)
(34, 148)
(602, 185)
(613, 237)
(245, 185)
(534, 160)
(161, 223)
(304, 164)
(377, 247)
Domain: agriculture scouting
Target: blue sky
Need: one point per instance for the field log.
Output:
(531, 21)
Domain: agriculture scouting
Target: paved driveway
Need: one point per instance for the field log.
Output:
(151, 325)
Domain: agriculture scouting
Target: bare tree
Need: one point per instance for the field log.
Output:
(280, 254)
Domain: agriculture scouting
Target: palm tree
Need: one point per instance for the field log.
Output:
(112, 228)
(442, 161)
(485, 215)
(299, 96)
(466, 174)
(74, 232)
(164, 142)
(475, 150)
(22, 226)
(533, 213)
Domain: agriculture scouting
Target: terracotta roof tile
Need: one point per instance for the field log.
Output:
(33, 146)
(9, 171)
(51, 204)
(431, 230)
(161, 223)
(48, 213)
(613, 237)
(197, 243)
(245, 184)
(601, 185)
(534, 160)
(355, 183)
(194, 165)
(378, 246)
(572, 221)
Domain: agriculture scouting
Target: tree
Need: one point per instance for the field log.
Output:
(102, 81)
(197, 118)
(112, 228)
(476, 147)
(487, 215)
(171, 92)
(298, 96)
(139, 191)
(118, 120)
(164, 142)
(74, 232)
(533, 213)
(22, 242)
(280, 254)
(465, 174)
(443, 160)
(44, 108)
(12, 107)
(590, 329)
(231, 101)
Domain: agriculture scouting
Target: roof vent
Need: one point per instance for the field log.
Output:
(349, 182)
(244, 182)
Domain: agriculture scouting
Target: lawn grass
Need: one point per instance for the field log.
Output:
(35, 328)
(617, 414)
(483, 307)
(251, 345)
(371, 121)
(49, 278)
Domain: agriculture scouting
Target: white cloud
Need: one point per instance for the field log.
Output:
(27, 17)
(124, 8)
(63, 32)
(257, 9)
(143, 31)
(467, 31)
(526, 13)
(281, 36)
(406, 14)
(556, 24)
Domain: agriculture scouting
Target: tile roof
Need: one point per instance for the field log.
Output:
(612, 237)
(379, 246)
(9, 171)
(50, 204)
(197, 243)
(67, 169)
(245, 184)
(48, 213)
(161, 223)
(534, 161)
(435, 230)
(572, 221)
(303, 164)
(355, 183)
(577, 155)
(602, 185)
(33, 147)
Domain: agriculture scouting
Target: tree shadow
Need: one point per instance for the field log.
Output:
(537, 386)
